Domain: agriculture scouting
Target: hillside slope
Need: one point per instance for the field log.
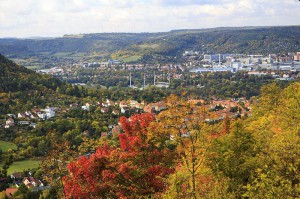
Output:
(21, 88)
(150, 46)
(15, 78)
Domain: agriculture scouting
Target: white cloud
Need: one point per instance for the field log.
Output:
(24, 18)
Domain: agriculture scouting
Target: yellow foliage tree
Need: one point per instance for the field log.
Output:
(276, 125)
(186, 126)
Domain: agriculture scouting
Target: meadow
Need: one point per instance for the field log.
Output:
(5, 146)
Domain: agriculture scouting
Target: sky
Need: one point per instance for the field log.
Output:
(53, 18)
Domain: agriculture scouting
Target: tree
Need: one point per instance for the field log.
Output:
(54, 164)
(22, 190)
(187, 126)
(269, 185)
(4, 183)
(275, 126)
(8, 161)
(135, 169)
(234, 157)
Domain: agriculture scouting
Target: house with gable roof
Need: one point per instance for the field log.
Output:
(9, 123)
(31, 182)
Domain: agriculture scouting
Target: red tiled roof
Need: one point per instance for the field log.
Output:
(9, 192)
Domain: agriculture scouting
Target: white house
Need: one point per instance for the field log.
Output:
(42, 116)
(124, 109)
(49, 112)
(21, 115)
(86, 108)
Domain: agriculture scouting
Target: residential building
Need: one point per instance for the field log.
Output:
(31, 182)
(297, 56)
(9, 122)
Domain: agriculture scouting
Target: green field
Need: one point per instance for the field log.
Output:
(61, 54)
(131, 58)
(148, 45)
(33, 67)
(4, 146)
(19, 166)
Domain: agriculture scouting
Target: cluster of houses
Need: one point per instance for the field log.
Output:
(220, 109)
(37, 113)
(30, 182)
(106, 107)
(51, 71)
(124, 106)
(229, 108)
(225, 108)
(10, 122)
(24, 118)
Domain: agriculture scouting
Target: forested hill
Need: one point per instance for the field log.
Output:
(147, 46)
(10, 69)
(14, 78)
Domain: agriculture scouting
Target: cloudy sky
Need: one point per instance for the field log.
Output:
(27, 18)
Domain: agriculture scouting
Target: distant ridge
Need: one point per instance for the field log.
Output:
(148, 47)
(175, 30)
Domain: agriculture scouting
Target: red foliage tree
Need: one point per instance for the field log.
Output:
(135, 169)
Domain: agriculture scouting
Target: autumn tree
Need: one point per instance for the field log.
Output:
(275, 126)
(233, 156)
(136, 168)
(186, 125)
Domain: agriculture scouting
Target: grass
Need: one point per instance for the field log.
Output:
(61, 54)
(5, 146)
(19, 166)
(131, 58)
(77, 55)
(33, 67)
(149, 45)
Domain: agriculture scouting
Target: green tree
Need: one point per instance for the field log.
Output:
(234, 157)
(55, 163)
(22, 190)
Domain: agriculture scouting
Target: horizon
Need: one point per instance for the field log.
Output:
(56, 18)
